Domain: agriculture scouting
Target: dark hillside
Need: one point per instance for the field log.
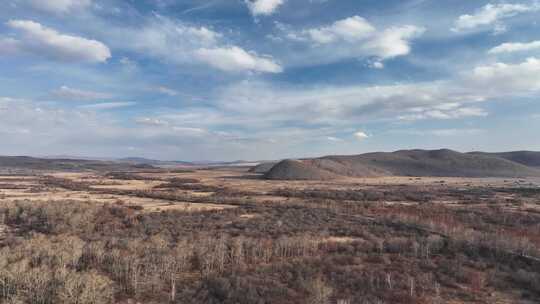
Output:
(527, 158)
(404, 163)
(298, 170)
(262, 168)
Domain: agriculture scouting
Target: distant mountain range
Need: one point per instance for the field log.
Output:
(153, 162)
(66, 164)
(400, 163)
(130, 160)
(162, 163)
(442, 162)
(73, 163)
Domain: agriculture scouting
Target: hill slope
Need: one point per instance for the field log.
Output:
(262, 168)
(402, 163)
(527, 158)
(298, 170)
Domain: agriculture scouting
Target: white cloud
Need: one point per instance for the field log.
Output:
(107, 105)
(151, 121)
(259, 111)
(504, 79)
(439, 132)
(166, 91)
(65, 92)
(190, 131)
(337, 105)
(443, 111)
(490, 14)
(515, 47)
(59, 6)
(334, 139)
(27, 128)
(263, 7)
(263, 106)
(235, 59)
(353, 37)
(164, 38)
(394, 41)
(39, 40)
(376, 64)
(360, 135)
(353, 29)
(184, 44)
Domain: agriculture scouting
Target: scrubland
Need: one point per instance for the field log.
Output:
(227, 236)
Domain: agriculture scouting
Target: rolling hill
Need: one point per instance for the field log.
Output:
(442, 162)
(262, 167)
(527, 158)
(298, 170)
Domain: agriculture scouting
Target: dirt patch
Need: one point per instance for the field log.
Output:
(183, 207)
(342, 239)
(249, 216)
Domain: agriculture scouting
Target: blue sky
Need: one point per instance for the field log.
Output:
(267, 79)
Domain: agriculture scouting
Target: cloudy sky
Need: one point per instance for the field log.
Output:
(267, 79)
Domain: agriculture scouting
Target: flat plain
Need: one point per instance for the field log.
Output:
(225, 235)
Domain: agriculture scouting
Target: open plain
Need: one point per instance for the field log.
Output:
(224, 235)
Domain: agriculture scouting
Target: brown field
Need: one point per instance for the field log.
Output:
(228, 236)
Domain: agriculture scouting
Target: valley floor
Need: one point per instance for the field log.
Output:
(228, 236)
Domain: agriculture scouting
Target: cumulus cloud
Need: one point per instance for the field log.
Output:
(67, 93)
(459, 98)
(39, 40)
(491, 14)
(353, 29)
(394, 41)
(504, 79)
(269, 111)
(59, 6)
(263, 7)
(289, 115)
(511, 47)
(353, 37)
(360, 135)
(235, 59)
